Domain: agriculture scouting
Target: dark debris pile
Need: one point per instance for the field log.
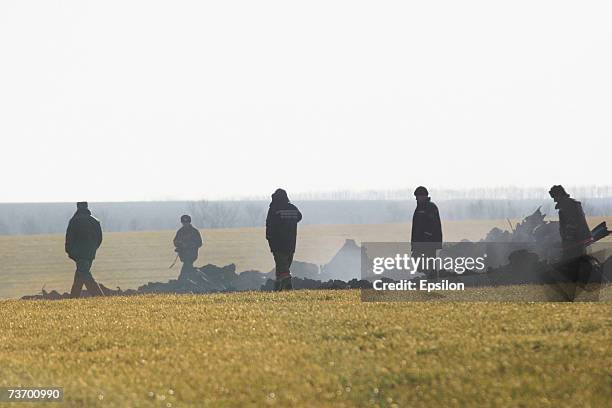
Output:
(212, 278)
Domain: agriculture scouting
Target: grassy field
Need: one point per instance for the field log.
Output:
(308, 348)
(130, 259)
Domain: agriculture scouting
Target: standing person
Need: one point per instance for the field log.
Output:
(575, 237)
(281, 233)
(187, 242)
(83, 238)
(573, 227)
(426, 227)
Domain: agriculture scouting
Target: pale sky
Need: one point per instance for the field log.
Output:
(129, 100)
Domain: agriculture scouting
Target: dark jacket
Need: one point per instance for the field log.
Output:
(426, 225)
(281, 224)
(573, 226)
(83, 236)
(187, 241)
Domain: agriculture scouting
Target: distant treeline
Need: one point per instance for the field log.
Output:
(41, 218)
(443, 194)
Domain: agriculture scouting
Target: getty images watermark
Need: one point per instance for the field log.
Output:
(484, 271)
(428, 265)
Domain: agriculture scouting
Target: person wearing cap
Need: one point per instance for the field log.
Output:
(187, 242)
(83, 238)
(426, 236)
(281, 233)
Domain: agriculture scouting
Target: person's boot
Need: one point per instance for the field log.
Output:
(284, 283)
(75, 291)
(93, 289)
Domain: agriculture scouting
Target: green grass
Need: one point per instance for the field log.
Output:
(308, 348)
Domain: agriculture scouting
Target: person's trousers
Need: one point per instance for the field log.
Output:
(186, 270)
(282, 261)
(573, 273)
(428, 268)
(83, 276)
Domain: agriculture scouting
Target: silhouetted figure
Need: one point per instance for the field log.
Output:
(281, 233)
(426, 227)
(575, 237)
(187, 242)
(83, 238)
(573, 227)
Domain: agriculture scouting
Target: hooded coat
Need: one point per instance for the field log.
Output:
(83, 236)
(573, 226)
(426, 225)
(281, 223)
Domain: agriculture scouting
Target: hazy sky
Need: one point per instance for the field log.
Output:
(127, 100)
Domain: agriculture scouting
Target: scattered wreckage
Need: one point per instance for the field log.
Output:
(344, 269)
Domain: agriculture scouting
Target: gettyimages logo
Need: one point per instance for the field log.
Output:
(427, 267)
(474, 271)
(412, 265)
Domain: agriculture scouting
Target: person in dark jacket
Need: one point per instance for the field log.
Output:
(575, 268)
(573, 227)
(83, 238)
(281, 233)
(187, 242)
(426, 236)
